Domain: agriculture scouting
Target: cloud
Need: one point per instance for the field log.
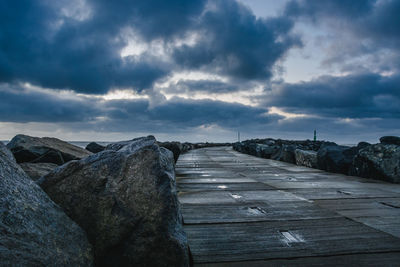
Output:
(236, 43)
(77, 45)
(360, 32)
(364, 95)
(19, 104)
(43, 44)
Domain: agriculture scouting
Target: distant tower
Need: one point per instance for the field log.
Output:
(238, 136)
(315, 135)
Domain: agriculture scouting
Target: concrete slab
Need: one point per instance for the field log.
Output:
(242, 210)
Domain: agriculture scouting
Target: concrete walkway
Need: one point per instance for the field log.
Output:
(241, 210)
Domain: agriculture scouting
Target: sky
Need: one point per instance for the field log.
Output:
(198, 70)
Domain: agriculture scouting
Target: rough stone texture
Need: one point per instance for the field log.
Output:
(37, 170)
(336, 158)
(174, 147)
(126, 201)
(133, 144)
(34, 230)
(306, 158)
(52, 150)
(266, 151)
(94, 147)
(379, 161)
(390, 140)
(285, 153)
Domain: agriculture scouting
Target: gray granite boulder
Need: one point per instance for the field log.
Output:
(336, 158)
(94, 147)
(306, 158)
(125, 198)
(379, 161)
(37, 170)
(51, 150)
(285, 153)
(34, 230)
(390, 140)
(175, 147)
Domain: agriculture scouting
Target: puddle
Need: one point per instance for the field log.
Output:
(236, 196)
(344, 192)
(256, 211)
(289, 237)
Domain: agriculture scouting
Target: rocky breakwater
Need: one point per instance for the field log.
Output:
(176, 148)
(378, 161)
(125, 199)
(34, 230)
(37, 156)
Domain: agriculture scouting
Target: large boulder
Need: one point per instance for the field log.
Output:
(37, 170)
(285, 153)
(390, 140)
(306, 158)
(52, 150)
(94, 147)
(266, 151)
(34, 230)
(174, 147)
(126, 201)
(379, 161)
(336, 158)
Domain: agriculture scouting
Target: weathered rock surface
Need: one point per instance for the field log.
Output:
(125, 198)
(95, 147)
(37, 170)
(175, 147)
(285, 153)
(390, 140)
(336, 158)
(306, 158)
(34, 230)
(379, 161)
(52, 150)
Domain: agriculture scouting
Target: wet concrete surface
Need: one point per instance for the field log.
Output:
(243, 210)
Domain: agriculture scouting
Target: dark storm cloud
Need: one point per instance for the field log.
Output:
(76, 44)
(185, 112)
(20, 105)
(234, 42)
(26, 105)
(353, 96)
(41, 45)
(205, 86)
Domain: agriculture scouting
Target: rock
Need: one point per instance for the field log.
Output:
(126, 201)
(285, 153)
(34, 149)
(174, 147)
(34, 230)
(336, 158)
(95, 147)
(390, 140)
(361, 145)
(266, 151)
(37, 170)
(306, 158)
(379, 161)
(139, 142)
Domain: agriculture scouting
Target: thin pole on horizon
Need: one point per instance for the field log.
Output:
(238, 136)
